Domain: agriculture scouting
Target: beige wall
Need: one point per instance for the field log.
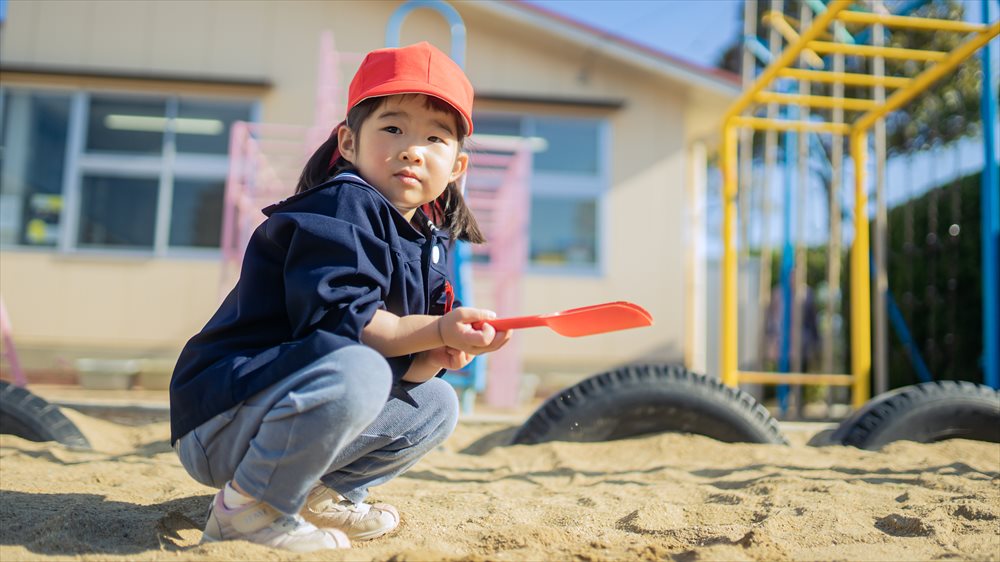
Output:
(114, 305)
(158, 304)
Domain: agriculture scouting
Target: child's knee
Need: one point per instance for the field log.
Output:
(350, 382)
(444, 402)
(366, 373)
(364, 380)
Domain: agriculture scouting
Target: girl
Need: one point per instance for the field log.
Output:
(315, 379)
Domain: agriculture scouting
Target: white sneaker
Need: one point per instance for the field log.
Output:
(326, 509)
(262, 524)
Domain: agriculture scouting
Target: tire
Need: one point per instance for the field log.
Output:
(29, 416)
(925, 413)
(644, 399)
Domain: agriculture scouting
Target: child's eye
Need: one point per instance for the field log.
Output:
(392, 129)
(435, 139)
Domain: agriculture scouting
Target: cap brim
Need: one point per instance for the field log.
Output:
(415, 87)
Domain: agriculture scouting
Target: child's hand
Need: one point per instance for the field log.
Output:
(429, 363)
(457, 331)
(448, 358)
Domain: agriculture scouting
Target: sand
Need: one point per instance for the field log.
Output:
(663, 497)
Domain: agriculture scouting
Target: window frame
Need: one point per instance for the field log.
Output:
(164, 167)
(569, 185)
(62, 182)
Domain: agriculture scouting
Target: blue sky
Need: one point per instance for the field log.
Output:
(696, 30)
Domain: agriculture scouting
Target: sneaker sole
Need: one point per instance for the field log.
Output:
(365, 536)
(207, 539)
(370, 535)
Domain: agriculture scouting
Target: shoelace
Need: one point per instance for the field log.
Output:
(361, 508)
(293, 524)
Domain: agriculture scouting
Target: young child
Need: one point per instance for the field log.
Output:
(316, 378)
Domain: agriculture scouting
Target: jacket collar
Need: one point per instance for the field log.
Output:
(350, 177)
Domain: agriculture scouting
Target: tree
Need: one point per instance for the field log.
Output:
(946, 112)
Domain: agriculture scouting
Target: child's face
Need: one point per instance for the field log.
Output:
(406, 150)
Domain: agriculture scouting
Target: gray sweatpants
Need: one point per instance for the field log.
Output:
(339, 420)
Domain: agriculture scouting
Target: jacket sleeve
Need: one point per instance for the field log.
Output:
(336, 274)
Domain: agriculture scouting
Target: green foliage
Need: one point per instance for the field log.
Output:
(949, 109)
(944, 113)
(935, 277)
(816, 260)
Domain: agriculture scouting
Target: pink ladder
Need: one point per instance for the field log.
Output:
(496, 191)
(8, 342)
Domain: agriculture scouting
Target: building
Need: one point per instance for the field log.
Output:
(114, 141)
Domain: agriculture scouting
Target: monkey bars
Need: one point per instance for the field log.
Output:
(866, 112)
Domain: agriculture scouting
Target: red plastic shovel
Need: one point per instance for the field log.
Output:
(583, 321)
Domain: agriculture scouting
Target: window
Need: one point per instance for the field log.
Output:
(572, 146)
(568, 185)
(117, 212)
(563, 231)
(33, 135)
(126, 126)
(196, 212)
(147, 173)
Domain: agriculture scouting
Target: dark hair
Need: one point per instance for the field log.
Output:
(448, 211)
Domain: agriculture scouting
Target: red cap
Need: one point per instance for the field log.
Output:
(417, 69)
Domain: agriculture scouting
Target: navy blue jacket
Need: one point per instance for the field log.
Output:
(314, 273)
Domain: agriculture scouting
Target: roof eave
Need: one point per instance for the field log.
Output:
(617, 47)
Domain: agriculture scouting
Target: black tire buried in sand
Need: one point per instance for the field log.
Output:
(925, 413)
(27, 415)
(644, 399)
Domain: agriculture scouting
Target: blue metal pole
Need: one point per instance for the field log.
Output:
(787, 258)
(902, 330)
(903, 333)
(455, 24)
(990, 213)
(471, 379)
(757, 49)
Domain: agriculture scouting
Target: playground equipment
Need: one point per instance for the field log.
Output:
(925, 413)
(27, 415)
(496, 189)
(9, 351)
(24, 413)
(866, 114)
(643, 399)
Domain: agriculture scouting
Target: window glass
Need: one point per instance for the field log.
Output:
(118, 212)
(509, 125)
(492, 125)
(567, 184)
(32, 159)
(563, 231)
(572, 145)
(203, 126)
(124, 134)
(196, 213)
(126, 125)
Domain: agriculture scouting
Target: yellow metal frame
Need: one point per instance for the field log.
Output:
(762, 124)
(806, 45)
(844, 77)
(870, 51)
(778, 21)
(851, 104)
